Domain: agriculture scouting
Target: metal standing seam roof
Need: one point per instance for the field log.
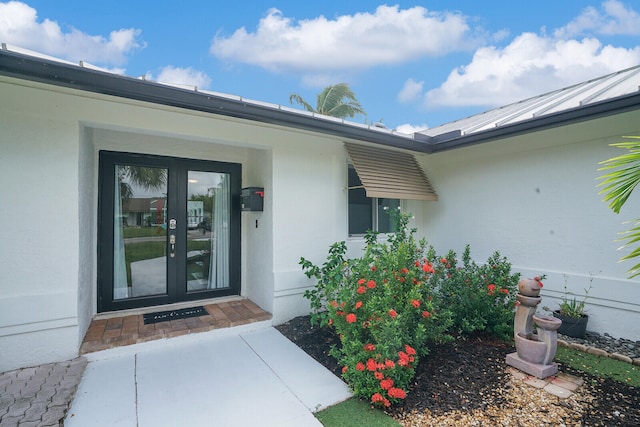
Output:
(621, 83)
(607, 95)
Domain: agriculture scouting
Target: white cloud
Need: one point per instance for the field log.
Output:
(410, 91)
(410, 129)
(530, 65)
(182, 76)
(387, 36)
(19, 26)
(614, 18)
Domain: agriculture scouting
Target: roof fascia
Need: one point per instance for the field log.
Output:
(86, 79)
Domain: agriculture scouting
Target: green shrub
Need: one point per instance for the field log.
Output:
(382, 308)
(480, 297)
(389, 305)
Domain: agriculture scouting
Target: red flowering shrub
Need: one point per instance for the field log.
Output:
(406, 298)
(481, 297)
(389, 287)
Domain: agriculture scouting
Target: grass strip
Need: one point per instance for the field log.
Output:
(354, 412)
(600, 366)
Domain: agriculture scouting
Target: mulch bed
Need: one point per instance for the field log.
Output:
(465, 381)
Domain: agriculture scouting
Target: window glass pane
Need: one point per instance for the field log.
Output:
(140, 229)
(385, 206)
(208, 238)
(360, 206)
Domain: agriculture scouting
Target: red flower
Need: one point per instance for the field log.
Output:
(425, 314)
(361, 281)
(371, 284)
(410, 350)
(415, 303)
(351, 318)
(417, 263)
(403, 358)
(378, 375)
(358, 304)
(443, 260)
(345, 369)
(428, 268)
(389, 364)
(504, 291)
(404, 270)
(377, 397)
(492, 289)
(372, 365)
(360, 366)
(392, 313)
(369, 347)
(397, 393)
(386, 384)
(517, 303)
(330, 322)
(333, 303)
(373, 268)
(361, 290)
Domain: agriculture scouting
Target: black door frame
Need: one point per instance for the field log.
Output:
(177, 195)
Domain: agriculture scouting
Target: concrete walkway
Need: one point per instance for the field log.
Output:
(239, 376)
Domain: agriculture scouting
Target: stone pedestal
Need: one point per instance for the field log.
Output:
(535, 369)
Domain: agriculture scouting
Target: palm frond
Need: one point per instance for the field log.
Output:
(295, 98)
(622, 174)
(339, 101)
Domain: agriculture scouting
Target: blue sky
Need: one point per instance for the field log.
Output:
(411, 64)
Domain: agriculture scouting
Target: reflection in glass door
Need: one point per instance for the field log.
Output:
(139, 231)
(169, 230)
(208, 239)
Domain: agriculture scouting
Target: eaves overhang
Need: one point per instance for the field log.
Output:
(67, 75)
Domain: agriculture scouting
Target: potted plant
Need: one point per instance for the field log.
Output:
(572, 312)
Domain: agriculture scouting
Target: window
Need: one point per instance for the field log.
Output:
(367, 213)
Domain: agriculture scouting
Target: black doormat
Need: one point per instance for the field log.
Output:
(183, 313)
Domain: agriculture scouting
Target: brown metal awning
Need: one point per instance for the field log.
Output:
(390, 174)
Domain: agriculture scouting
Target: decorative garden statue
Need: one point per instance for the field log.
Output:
(534, 352)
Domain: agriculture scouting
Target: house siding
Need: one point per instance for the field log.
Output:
(535, 199)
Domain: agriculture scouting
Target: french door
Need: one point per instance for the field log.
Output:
(168, 230)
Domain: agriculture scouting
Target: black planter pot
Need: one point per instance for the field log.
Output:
(574, 327)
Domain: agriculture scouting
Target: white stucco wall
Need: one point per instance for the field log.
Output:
(534, 198)
(40, 253)
(51, 139)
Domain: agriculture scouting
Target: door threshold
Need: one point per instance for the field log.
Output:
(127, 327)
(165, 307)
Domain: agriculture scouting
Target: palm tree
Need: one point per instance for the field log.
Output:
(147, 178)
(336, 100)
(622, 177)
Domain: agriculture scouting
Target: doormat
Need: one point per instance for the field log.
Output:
(165, 316)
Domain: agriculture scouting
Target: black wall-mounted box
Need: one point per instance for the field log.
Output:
(252, 199)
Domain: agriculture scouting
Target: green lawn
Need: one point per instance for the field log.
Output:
(354, 413)
(130, 232)
(600, 366)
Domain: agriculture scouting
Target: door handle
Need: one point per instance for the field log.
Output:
(172, 245)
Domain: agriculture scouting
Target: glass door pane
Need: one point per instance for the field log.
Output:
(139, 231)
(208, 232)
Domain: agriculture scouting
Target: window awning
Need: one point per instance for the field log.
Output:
(390, 174)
